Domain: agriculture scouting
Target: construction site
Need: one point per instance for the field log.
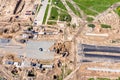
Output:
(30, 51)
(98, 48)
(71, 49)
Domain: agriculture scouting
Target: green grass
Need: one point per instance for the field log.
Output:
(51, 23)
(72, 8)
(38, 8)
(99, 79)
(49, 0)
(105, 26)
(53, 14)
(46, 13)
(91, 25)
(91, 79)
(118, 10)
(64, 17)
(90, 19)
(87, 11)
(95, 5)
(59, 4)
(103, 79)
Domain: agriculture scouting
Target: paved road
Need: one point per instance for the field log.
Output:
(88, 57)
(40, 16)
(102, 56)
(95, 48)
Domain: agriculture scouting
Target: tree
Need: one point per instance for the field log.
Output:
(91, 25)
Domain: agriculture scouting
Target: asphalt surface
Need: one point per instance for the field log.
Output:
(84, 49)
(102, 56)
(40, 16)
(31, 50)
(94, 48)
(99, 58)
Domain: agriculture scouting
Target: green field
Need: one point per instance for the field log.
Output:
(105, 26)
(53, 14)
(99, 79)
(49, 0)
(64, 17)
(93, 7)
(103, 79)
(72, 8)
(118, 10)
(90, 19)
(51, 23)
(58, 12)
(59, 4)
(38, 8)
(46, 13)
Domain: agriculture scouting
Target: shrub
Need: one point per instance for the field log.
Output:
(90, 19)
(105, 26)
(91, 25)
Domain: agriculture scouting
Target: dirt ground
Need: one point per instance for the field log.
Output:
(84, 74)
